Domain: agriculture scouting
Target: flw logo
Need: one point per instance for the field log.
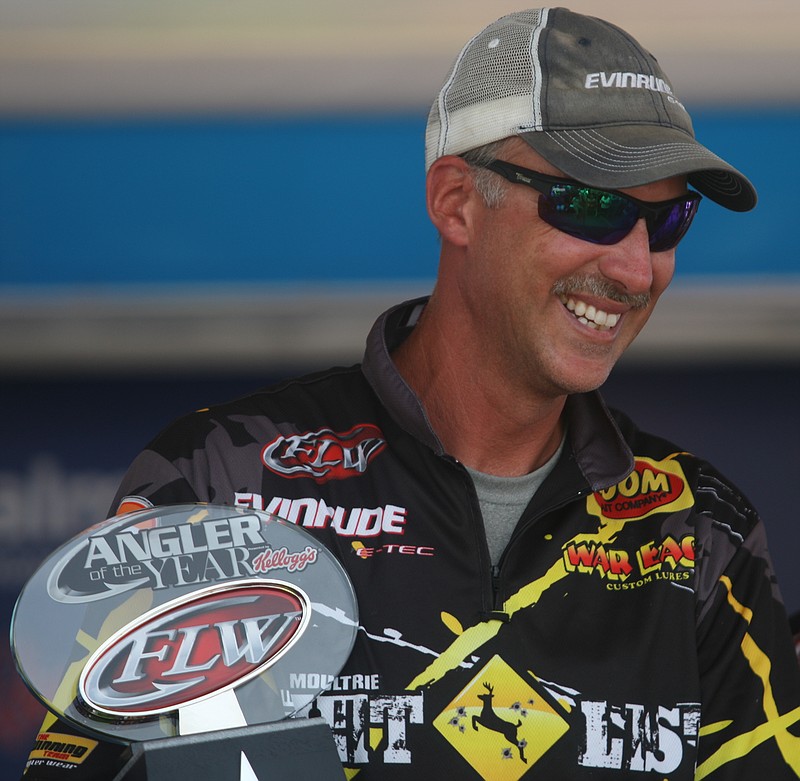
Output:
(194, 647)
(325, 454)
(652, 487)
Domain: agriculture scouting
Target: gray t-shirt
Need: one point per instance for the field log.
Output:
(503, 499)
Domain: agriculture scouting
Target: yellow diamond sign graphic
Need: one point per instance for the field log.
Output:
(500, 724)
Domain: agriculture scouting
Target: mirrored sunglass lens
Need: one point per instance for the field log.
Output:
(669, 226)
(593, 215)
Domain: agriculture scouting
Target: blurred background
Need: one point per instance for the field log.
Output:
(198, 198)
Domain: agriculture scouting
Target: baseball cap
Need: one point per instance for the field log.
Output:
(586, 96)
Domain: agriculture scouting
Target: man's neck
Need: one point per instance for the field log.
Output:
(481, 417)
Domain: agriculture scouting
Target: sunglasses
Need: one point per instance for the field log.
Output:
(603, 216)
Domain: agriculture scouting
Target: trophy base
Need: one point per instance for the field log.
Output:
(279, 751)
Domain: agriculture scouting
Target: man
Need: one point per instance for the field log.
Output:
(545, 592)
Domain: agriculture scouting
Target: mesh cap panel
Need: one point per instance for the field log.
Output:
(487, 95)
(586, 96)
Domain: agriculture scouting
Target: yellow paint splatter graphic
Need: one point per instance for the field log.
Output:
(776, 727)
(474, 637)
(471, 639)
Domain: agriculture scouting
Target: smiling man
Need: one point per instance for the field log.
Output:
(523, 313)
(545, 591)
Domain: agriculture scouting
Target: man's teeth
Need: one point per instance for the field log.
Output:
(589, 315)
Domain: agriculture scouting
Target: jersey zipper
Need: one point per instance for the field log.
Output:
(489, 595)
(498, 597)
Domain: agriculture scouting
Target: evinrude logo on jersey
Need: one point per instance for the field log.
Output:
(325, 454)
(194, 647)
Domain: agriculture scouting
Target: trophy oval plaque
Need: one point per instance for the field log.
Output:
(144, 616)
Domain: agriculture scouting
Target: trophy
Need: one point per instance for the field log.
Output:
(196, 634)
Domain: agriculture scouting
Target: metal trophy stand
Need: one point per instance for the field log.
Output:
(189, 633)
(282, 751)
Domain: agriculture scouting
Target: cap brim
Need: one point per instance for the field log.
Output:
(631, 155)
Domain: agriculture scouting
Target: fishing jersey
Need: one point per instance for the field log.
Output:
(632, 629)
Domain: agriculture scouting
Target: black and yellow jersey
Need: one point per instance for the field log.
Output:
(633, 628)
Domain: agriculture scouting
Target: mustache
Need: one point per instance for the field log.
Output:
(598, 286)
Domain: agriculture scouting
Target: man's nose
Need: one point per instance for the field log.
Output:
(629, 263)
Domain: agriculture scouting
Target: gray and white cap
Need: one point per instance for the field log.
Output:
(586, 96)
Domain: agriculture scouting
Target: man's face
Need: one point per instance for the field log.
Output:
(558, 311)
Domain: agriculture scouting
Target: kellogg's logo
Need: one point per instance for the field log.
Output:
(652, 487)
(270, 559)
(194, 647)
(325, 454)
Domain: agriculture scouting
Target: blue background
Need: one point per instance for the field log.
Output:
(113, 202)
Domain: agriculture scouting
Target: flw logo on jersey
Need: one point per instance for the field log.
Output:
(652, 487)
(324, 454)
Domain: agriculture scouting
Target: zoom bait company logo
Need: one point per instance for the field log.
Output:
(133, 553)
(325, 454)
(652, 487)
(194, 647)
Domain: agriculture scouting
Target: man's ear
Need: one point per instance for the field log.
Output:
(451, 194)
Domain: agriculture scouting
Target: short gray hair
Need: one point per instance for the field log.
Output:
(491, 186)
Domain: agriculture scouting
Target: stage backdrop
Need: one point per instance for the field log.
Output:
(284, 221)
